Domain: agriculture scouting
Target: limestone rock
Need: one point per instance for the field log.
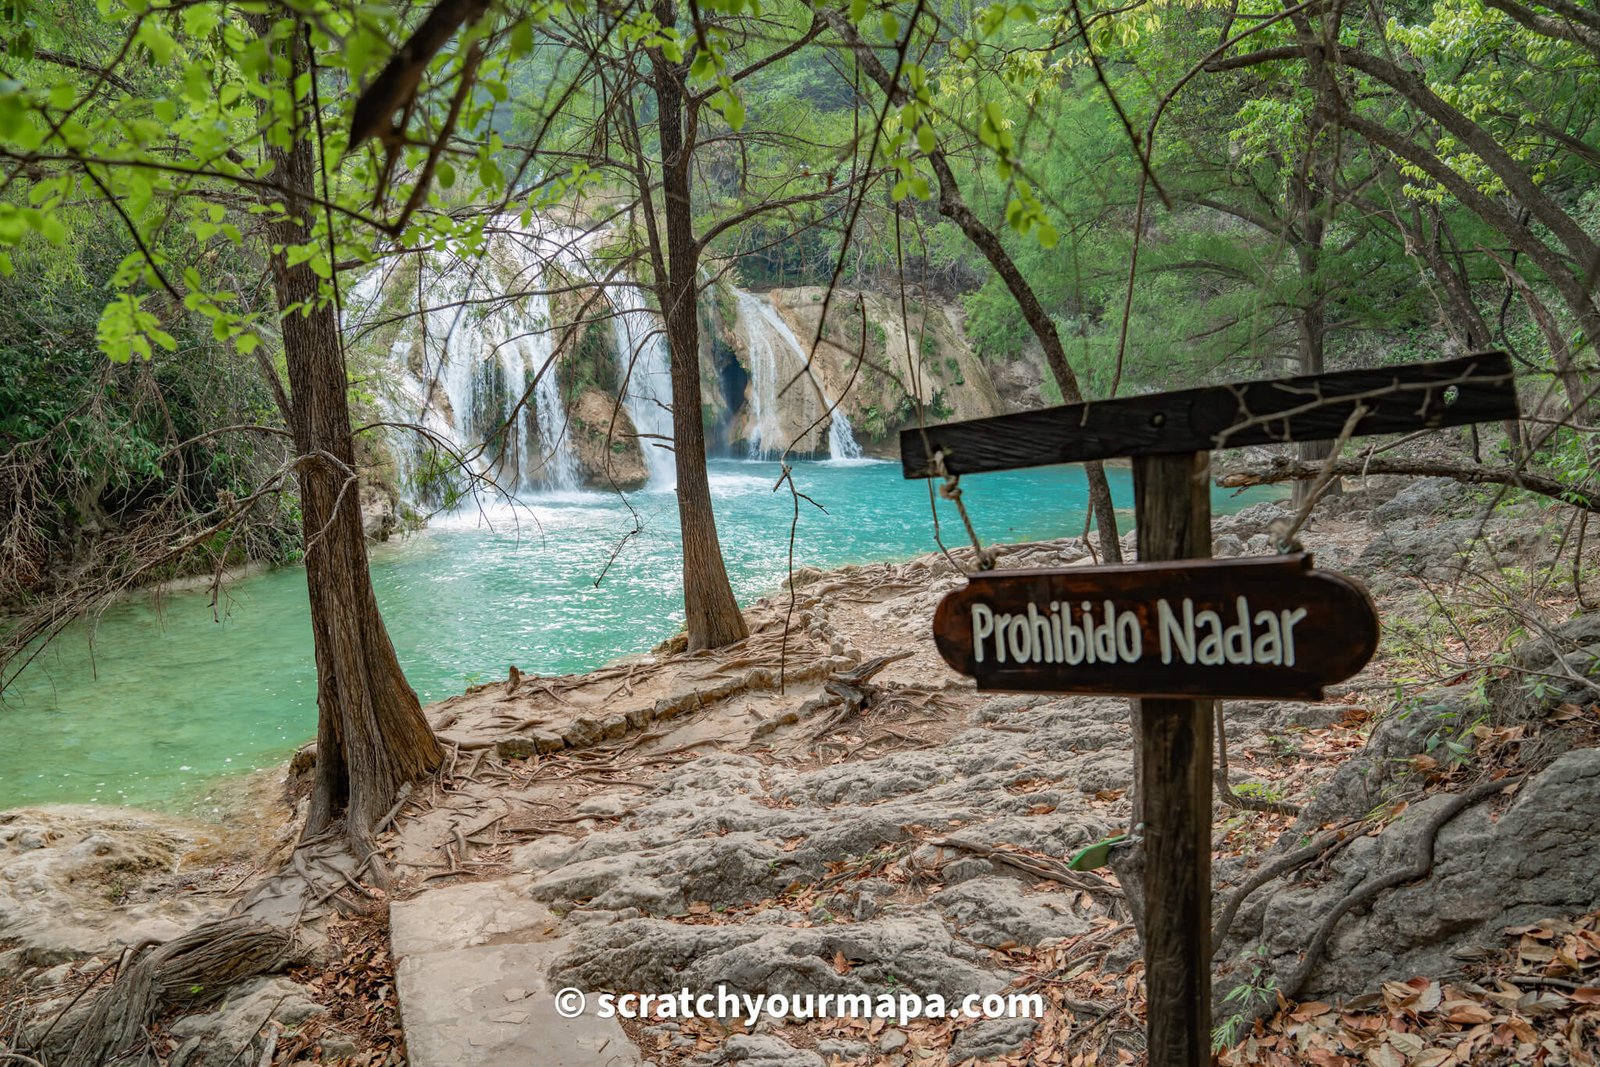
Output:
(232, 1032)
(603, 441)
(379, 518)
(990, 1038)
(1416, 548)
(78, 880)
(1556, 667)
(1421, 498)
(993, 911)
(764, 1050)
(917, 952)
(952, 382)
(1536, 861)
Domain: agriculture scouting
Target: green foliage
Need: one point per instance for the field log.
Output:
(1449, 725)
(88, 446)
(591, 363)
(1245, 1001)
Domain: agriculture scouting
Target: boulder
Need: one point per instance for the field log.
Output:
(1535, 862)
(233, 1031)
(604, 442)
(991, 1038)
(379, 518)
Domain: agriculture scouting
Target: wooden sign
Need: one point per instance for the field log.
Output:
(1180, 631)
(1264, 627)
(1417, 396)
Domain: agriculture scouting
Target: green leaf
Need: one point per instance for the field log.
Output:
(200, 19)
(1096, 855)
(154, 36)
(733, 109)
(489, 172)
(53, 230)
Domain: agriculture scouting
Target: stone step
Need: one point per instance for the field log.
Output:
(470, 966)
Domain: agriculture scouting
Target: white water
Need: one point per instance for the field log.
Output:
(460, 367)
(776, 356)
(642, 346)
(762, 398)
(482, 344)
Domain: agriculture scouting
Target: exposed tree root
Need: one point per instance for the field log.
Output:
(188, 970)
(1323, 846)
(1225, 791)
(852, 691)
(1038, 866)
(1420, 866)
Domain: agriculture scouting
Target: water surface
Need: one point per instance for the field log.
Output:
(167, 698)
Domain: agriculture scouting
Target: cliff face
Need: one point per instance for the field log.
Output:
(897, 363)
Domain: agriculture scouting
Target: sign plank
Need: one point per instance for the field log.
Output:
(1417, 396)
(1255, 628)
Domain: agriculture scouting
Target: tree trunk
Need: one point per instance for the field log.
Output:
(371, 734)
(1307, 202)
(711, 613)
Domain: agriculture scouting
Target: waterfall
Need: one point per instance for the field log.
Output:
(842, 442)
(642, 344)
(764, 385)
(462, 363)
(776, 356)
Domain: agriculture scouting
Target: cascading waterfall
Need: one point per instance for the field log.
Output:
(465, 364)
(842, 444)
(643, 358)
(642, 344)
(776, 356)
(462, 364)
(764, 384)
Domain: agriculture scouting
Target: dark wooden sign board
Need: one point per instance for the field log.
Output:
(1268, 626)
(1169, 436)
(1313, 407)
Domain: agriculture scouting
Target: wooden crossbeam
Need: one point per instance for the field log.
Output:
(1417, 396)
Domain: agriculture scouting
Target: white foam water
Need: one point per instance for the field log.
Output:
(776, 357)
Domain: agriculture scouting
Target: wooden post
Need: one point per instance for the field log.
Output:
(1172, 783)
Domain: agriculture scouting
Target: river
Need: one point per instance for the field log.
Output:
(166, 699)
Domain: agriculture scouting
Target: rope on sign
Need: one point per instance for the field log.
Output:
(951, 490)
